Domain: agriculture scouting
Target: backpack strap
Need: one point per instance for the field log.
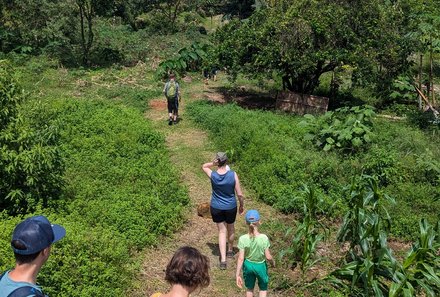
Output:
(25, 292)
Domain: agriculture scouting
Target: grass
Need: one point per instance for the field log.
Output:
(275, 160)
(103, 113)
(121, 191)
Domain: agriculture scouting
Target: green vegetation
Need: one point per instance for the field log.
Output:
(76, 147)
(307, 235)
(373, 269)
(121, 192)
(366, 226)
(31, 167)
(346, 129)
(275, 160)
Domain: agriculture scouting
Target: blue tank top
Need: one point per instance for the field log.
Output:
(223, 190)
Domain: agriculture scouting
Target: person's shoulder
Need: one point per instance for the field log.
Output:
(263, 236)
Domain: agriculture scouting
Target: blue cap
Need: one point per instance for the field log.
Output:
(252, 216)
(35, 234)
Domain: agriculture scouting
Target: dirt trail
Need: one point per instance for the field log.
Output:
(190, 147)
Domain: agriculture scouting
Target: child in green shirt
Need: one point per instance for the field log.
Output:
(254, 252)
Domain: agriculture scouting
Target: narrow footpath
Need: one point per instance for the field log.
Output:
(189, 148)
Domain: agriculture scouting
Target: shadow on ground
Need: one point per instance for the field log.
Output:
(249, 99)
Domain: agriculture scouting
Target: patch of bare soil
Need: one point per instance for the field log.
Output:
(158, 104)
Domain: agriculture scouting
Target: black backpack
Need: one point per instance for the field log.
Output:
(24, 291)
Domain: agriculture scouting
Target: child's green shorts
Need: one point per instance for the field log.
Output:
(253, 271)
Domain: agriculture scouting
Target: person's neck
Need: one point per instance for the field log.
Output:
(222, 169)
(25, 273)
(178, 291)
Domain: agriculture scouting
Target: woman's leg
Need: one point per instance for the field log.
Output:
(231, 236)
(222, 230)
(262, 294)
(249, 293)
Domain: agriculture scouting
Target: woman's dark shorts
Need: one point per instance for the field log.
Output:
(173, 106)
(228, 216)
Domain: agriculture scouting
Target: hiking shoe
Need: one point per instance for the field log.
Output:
(222, 266)
(170, 123)
(230, 254)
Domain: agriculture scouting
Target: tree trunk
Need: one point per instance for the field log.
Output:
(83, 38)
(86, 14)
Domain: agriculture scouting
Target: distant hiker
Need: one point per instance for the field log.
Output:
(31, 243)
(172, 93)
(214, 71)
(206, 75)
(253, 254)
(187, 271)
(225, 187)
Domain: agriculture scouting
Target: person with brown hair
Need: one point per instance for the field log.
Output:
(187, 271)
(225, 187)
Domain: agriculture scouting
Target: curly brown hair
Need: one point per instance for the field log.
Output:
(189, 268)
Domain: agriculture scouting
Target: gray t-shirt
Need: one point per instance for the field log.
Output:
(7, 286)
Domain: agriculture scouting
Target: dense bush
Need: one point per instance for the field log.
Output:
(127, 182)
(30, 163)
(274, 160)
(346, 129)
(121, 194)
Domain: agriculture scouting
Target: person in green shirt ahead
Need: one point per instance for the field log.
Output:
(254, 252)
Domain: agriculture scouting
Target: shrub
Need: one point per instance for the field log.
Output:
(121, 194)
(30, 161)
(346, 129)
(128, 172)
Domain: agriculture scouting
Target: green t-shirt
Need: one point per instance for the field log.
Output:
(254, 247)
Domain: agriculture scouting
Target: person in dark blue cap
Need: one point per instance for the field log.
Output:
(31, 242)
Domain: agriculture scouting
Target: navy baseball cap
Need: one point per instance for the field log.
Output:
(252, 216)
(35, 234)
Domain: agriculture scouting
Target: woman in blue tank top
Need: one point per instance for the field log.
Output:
(225, 187)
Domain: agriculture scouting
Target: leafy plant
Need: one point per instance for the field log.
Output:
(30, 162)
(420, 270)
(366, 225)
(346, 129)
(307, 234)
(403, 89)
(382, 165)
(188, 58)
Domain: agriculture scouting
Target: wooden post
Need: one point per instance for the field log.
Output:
(431, 71)
(435, 112)
(420, 80)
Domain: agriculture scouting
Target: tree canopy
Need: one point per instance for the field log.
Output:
(301, 40)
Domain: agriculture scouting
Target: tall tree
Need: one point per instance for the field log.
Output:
(301, 40)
